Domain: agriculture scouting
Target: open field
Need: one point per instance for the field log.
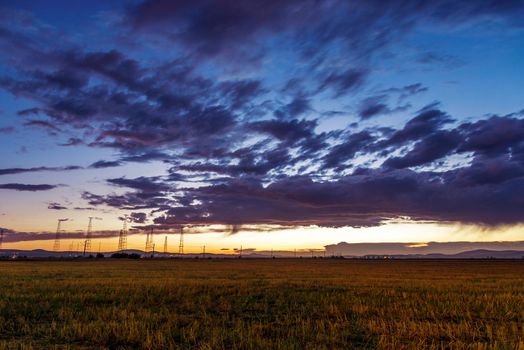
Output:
(262, 304)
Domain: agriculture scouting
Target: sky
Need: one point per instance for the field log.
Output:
(262, 124)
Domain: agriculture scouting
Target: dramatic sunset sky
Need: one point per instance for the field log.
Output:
(267, 124)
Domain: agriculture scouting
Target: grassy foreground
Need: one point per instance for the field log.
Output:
(262, 304)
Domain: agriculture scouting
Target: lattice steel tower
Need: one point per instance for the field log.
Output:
(149, 241)
(181, 244)
(122, 239)
(56, 245)
(87, 242)
(165, 245)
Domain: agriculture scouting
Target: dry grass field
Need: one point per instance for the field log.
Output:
(262, 304)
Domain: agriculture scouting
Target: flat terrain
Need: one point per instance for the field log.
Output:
(262, 304)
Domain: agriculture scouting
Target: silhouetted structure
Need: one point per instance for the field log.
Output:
(122, 239)
(165, 245)
(87, 242)
(1, 238)
(181, 243)
(149, 241)
(56, 245)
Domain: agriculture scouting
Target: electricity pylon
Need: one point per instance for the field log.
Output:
(122, 239)
(181, 244)
(165, 245)
(87, 242)
(56, 245)
(149, 241)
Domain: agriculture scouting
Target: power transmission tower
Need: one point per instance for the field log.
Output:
(204, 251)
(87, 242)
(122, 239)
(56, 245)
(1, 238)
(149, 241)
(165, 245)
(181, 244)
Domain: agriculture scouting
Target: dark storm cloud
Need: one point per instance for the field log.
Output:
(26, 187)
(12, 171)
(253, 149)
(11, 236)
(294, 109)
(212, 27)
(406, 91)
(129, 201)
(424, 124)
(42, 124)
(363, 200)
(73, 141)
(239, 93)
(353, 144)
(56, 206)
(145, 157)
(489, 170)
(287, 131)
(105, 164)
(148, 193)
(493, 135)
(138, 218)
(341, 82)
(377, 105)
(427, 150)
(488, 191)
(144, 184)
(7, 130)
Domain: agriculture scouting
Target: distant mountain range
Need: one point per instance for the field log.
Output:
(461, 249)
(471, 254)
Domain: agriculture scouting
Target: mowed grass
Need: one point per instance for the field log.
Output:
(262, 304)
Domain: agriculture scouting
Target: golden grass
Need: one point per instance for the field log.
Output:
(262, 304)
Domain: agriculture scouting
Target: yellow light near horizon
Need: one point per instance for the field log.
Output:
(297, 238)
